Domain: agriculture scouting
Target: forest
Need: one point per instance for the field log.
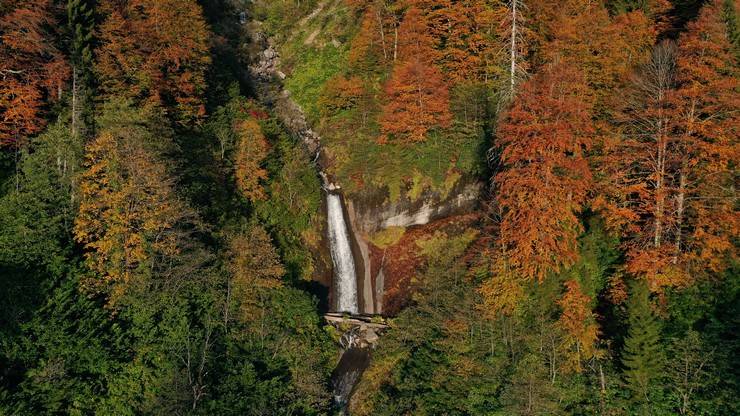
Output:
(369, 207)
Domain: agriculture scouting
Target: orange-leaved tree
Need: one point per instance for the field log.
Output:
(375, 43)
(708, 128)
(636, 168)
(466, 42)
(670, 173)
(156, 51)
(545, 176)
(32, 70)
(417, 95)
(341, 93)
(579, 325)
(606, 49)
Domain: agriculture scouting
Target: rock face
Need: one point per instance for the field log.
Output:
(371, 217)
(369, 214)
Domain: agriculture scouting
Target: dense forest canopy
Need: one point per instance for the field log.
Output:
(163, 229)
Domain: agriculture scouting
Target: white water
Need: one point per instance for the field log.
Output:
(341, 255)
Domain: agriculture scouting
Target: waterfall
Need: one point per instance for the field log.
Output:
(341, 255)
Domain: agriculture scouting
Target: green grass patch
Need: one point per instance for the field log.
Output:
(387, 237)
(313, 69)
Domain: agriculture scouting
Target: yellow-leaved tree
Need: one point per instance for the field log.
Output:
(131, 223)
(251, 150)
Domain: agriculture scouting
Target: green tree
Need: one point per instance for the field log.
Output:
(36, 216)
(730, 16)
(529, 391)
(80, 29)
(689, 369)
(68, 348)
(643, 356)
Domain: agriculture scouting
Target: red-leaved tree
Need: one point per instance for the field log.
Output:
(417, 95)
(32, 70)
(156, 51)
(545, 176)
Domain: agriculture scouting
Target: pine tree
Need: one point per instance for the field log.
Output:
(730, 16)
(642, 356)
(80, 22)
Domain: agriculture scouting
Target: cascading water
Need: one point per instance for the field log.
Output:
(341, 255)
(355, 355)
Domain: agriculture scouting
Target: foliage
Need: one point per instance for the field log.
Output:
(36, 213)
(251, 151)
(578, 323)
(33, 69)
(387, 237)
(130, 221)
(161, 232)
(156, 52)
(676, 135)
(341, 94)
(313, 71)
(292, 210)
(418, 98)
(545, 175)
(643, 355)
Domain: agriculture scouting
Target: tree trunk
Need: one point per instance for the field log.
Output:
(680, 206)
(382, 35)
(74, 102)
(512, 69)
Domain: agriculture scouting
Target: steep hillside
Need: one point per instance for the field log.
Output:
(369, 207)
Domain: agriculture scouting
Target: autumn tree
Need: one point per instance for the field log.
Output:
(465, 39)
(32, 70)
(341, 93)
(544, 176)
(254, 267)
(579, 324)
(638, 169)
(669, 172)
(250, 153)
(703, 177)
(503, 293)
(605, 48)
(374, 43)
(516, 37)
(155, 51)
(417, 95)
(132, 225)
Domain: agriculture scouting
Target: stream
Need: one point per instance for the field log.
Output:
(355, 356)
